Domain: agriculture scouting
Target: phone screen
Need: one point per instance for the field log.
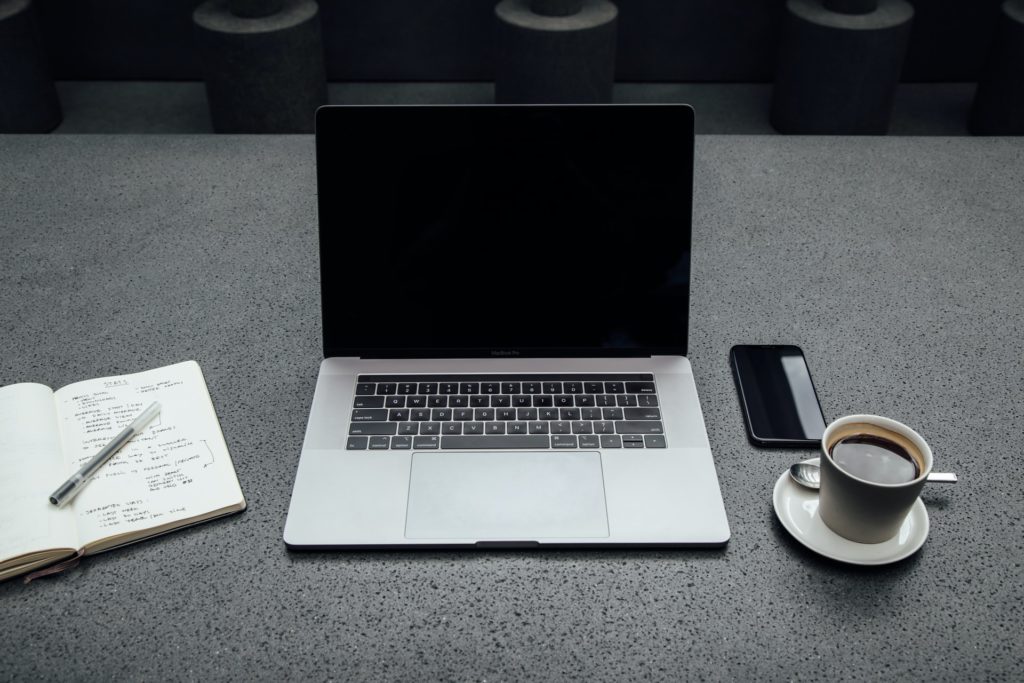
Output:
(778, 397)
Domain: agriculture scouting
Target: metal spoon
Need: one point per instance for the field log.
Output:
(809, 475)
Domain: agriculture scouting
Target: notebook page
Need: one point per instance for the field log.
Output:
(177, 468)
(31, 468)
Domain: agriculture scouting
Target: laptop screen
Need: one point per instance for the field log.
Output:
(468, 231)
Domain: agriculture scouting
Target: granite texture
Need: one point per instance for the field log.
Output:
(894, 262)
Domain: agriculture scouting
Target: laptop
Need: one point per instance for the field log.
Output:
(505, 295)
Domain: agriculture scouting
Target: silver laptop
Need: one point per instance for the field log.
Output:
(505, 299)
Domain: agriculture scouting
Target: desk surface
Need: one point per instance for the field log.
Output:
(894, 262)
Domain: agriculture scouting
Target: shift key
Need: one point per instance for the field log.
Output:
(638, 427)
(373, 429)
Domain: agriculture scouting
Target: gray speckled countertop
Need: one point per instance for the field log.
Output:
(894, 262)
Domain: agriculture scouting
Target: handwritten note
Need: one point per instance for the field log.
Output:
(172, 468)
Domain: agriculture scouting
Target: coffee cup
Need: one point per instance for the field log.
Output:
(872, 472)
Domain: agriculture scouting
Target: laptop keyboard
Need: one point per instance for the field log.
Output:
(401, 412)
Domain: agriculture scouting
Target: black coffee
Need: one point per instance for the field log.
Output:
(875, 459)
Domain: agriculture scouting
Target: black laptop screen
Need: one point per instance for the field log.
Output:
(505, 231)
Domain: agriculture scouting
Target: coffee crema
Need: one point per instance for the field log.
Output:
(875, 459)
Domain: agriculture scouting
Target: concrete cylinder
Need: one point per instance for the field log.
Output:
(555, 51)
(28, 97)
(999, 101)
(264, 72)
(838, 70)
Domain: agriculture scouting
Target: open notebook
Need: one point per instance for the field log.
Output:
(176, 472)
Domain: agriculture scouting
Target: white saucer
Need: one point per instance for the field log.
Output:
(797, 509)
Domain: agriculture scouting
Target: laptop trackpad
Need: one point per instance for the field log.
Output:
(506, 496)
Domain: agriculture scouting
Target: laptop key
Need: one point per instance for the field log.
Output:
(535, 441)
(547, 413)
(490, 388)
(511, 388)
(654, 441)
(437, 401)
(395, 402)
(428, 387)
(561, 427)
(417, 402)
(506, 413)
(379, 443)
(647, 400)
(584, 400)
(639, 387)
(452, 428)
(521, 401)
(604, 400)
(638, 427)
(642, 413)
(401, 443)
(479, 401)
(373, 428)
(542, 401)
(369, 415)
(564, 400)
(366, 389)
(399, 415)
(581, 428)
(588, 441)
(627, 438)
(573, 387)
(420, 415)
(473, 428)
(516, 427)
(458, 401)
(495, 428)
(612, 413)
(409, 428)
(538, 427)
(526, 414)
(430, 428)
(368, 402)
(449, 388)
(611, 441)
(356, 443)
(590, 413)
(593, 387)
(563, 441)
(483, 414)
(441, 414)
(626, 400)
(469, 388)
(569, 414)
(614, 387)
(406, 388)
(427, 442)
(501, 401)
(386, 389)
(463, 414)
(552, 387)
(633, 444)
(604, 427)
(531, 387)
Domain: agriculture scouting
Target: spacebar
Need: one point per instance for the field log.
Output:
(496, 441)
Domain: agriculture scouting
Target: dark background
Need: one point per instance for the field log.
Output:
(449, 40)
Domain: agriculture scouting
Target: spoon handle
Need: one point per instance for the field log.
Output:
(943, 477)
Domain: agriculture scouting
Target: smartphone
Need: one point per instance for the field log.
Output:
(779, 402)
